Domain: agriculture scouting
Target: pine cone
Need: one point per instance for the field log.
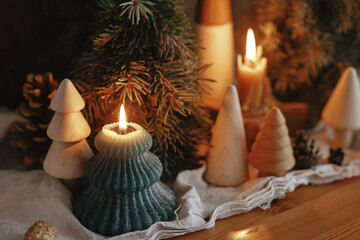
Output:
(336, 156)
(41, 231)
(31, 136)
(305, 154)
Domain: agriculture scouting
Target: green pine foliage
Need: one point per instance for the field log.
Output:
(308, 43)
(143, 56)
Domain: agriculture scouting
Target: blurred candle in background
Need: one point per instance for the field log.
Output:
(252, 75)
(215, 30)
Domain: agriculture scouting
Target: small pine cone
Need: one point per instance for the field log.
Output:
(38, 92)
(41, 231)
(305, 154)
(31, 136)
(336, 156)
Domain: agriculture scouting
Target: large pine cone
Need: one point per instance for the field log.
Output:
(31, 136)
(305, 153)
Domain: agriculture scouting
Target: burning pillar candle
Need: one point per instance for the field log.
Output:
(122, 139)
(125, 193)
(252, 81)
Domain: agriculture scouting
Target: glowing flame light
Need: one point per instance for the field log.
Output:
(250, 46)
(122, 120)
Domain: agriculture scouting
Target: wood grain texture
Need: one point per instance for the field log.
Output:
(226, 162)
(68, 123)
(328, 211)
(67, 98)
(272, 152)
(67, 160)
(68, 127)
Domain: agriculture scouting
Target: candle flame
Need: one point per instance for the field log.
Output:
(250, 46)
(122, 119)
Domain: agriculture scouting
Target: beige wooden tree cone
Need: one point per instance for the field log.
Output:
(274, 166)
(67, 160)
(272, 143)
(274, 117)
(226, 162)
(67, 98)
(272, 152)
(69, 151)
(68, 127)
(271, 155)
(342, 111)
(274, 131)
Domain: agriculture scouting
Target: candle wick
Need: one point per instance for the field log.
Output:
(122, 130)
(250, 62)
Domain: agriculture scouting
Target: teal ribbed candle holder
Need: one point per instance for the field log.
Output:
(124, 193)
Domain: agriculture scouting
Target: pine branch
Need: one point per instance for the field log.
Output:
(144, 57)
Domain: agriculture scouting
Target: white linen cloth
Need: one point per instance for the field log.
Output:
(26, 197)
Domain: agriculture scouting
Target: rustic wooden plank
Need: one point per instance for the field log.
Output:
(347, 230)
(307, 212)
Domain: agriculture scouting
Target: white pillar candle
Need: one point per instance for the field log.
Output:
(215, 30)
(122, 139)
(252, 75)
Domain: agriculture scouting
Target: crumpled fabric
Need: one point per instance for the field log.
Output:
(26, 197)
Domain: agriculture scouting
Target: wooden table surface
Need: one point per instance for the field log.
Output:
(329, 211)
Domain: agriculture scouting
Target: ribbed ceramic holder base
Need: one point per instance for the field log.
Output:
(124, 175)
(125, 193)
(117, 213)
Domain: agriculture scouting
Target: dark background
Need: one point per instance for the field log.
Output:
(39, 36)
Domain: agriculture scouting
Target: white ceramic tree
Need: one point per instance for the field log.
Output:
(342, 111)
(226, 163)
(69, 151)
(272, 152)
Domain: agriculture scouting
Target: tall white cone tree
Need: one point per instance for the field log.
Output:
(272, 152)
(226, 163)
(68, 129)
(342, 111)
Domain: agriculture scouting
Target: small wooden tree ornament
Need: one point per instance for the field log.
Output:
(68, 129)
(226, 163)
(272, 152)
(342, 111)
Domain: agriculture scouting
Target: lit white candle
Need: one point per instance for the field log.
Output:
(251, 75)
(122, 139)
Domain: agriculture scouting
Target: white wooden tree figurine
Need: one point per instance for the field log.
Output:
(226, 163)
(272, 152)
(69, 151)
(342, 111)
